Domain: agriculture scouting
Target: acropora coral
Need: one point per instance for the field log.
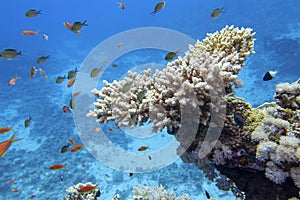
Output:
(266, 138)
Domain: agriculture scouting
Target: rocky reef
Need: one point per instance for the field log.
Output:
(237, 138)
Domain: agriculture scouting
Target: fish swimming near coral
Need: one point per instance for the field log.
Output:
(32, 13)
(71, 82)
(60, 79)
(72, 73)
(6, 144)
(29, 32)
(171, 55)
(27, 121)
(76, 148)
(9, 53)
(143, 148)
(158, 7)
(216, 12)
(13, 81)
(87, 188)
(95, 72)
(43, 74)
(77, 26)
(238, 120)
(65, 148)
(269, 75)
(57, 166)
(42, 59)
(4, 129)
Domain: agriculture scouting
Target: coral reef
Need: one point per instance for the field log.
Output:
(72, 193)
(264, 139)
(156, 193)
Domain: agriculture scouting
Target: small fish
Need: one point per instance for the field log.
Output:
(110, 129)
(133, 120)
(71, 140)
(87, 188)
(42, 59)
(6, 144)
(71, 82)
(95, 72)
(65, 148)
(119, 44)
(13, 81)
(171, 55)
(96, 129)
(72, 103)
(207, 195)
(216, 12)
(126, 87)
(11, 182)
(60, 79)
(9, 53)
(116, 197)
(43, 74)
(143, 148)
(107, 176)
(269, 75)
(45, 36)
(57, 166)
(4, 129)
(114, 65)
(141, 95)
(77, 26)
(121, 4)
(105, 60)
(130, 174)
(72, 73)
(149, 157)
(66, 109)
(27, 121)
(238, 120)
(83, 165)
(76, 148)
(29, 32)
(68, 25)
(158, 7)
(32, 13)
(32, 196)
(75, 94)
(33, 71)
(15, 190)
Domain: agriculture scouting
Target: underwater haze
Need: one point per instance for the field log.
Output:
(36, 103)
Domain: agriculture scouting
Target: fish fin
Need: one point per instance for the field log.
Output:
(153, 13)
(12, 137)
(84, 23)
(20, 53)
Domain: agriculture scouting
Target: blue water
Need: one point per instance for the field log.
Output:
(277, 27)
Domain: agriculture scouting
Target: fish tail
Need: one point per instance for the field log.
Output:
(20, 53)
(39, 12)
(12, 137)
(84, 23)
(153, 13)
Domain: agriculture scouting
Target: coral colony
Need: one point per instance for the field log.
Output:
(266, 138)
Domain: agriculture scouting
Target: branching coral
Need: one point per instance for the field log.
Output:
(134, 99)
(73, 193)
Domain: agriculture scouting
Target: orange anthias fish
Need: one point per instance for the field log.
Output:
(68, 25)
(143, 148)
(71, 140)
(87, 188)
(13, 80)
(75, 94)
(76, 148)
(6, 144)
(71, 82)
(5, 129)
(57, 166)
(121, 4)
(29, 32)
